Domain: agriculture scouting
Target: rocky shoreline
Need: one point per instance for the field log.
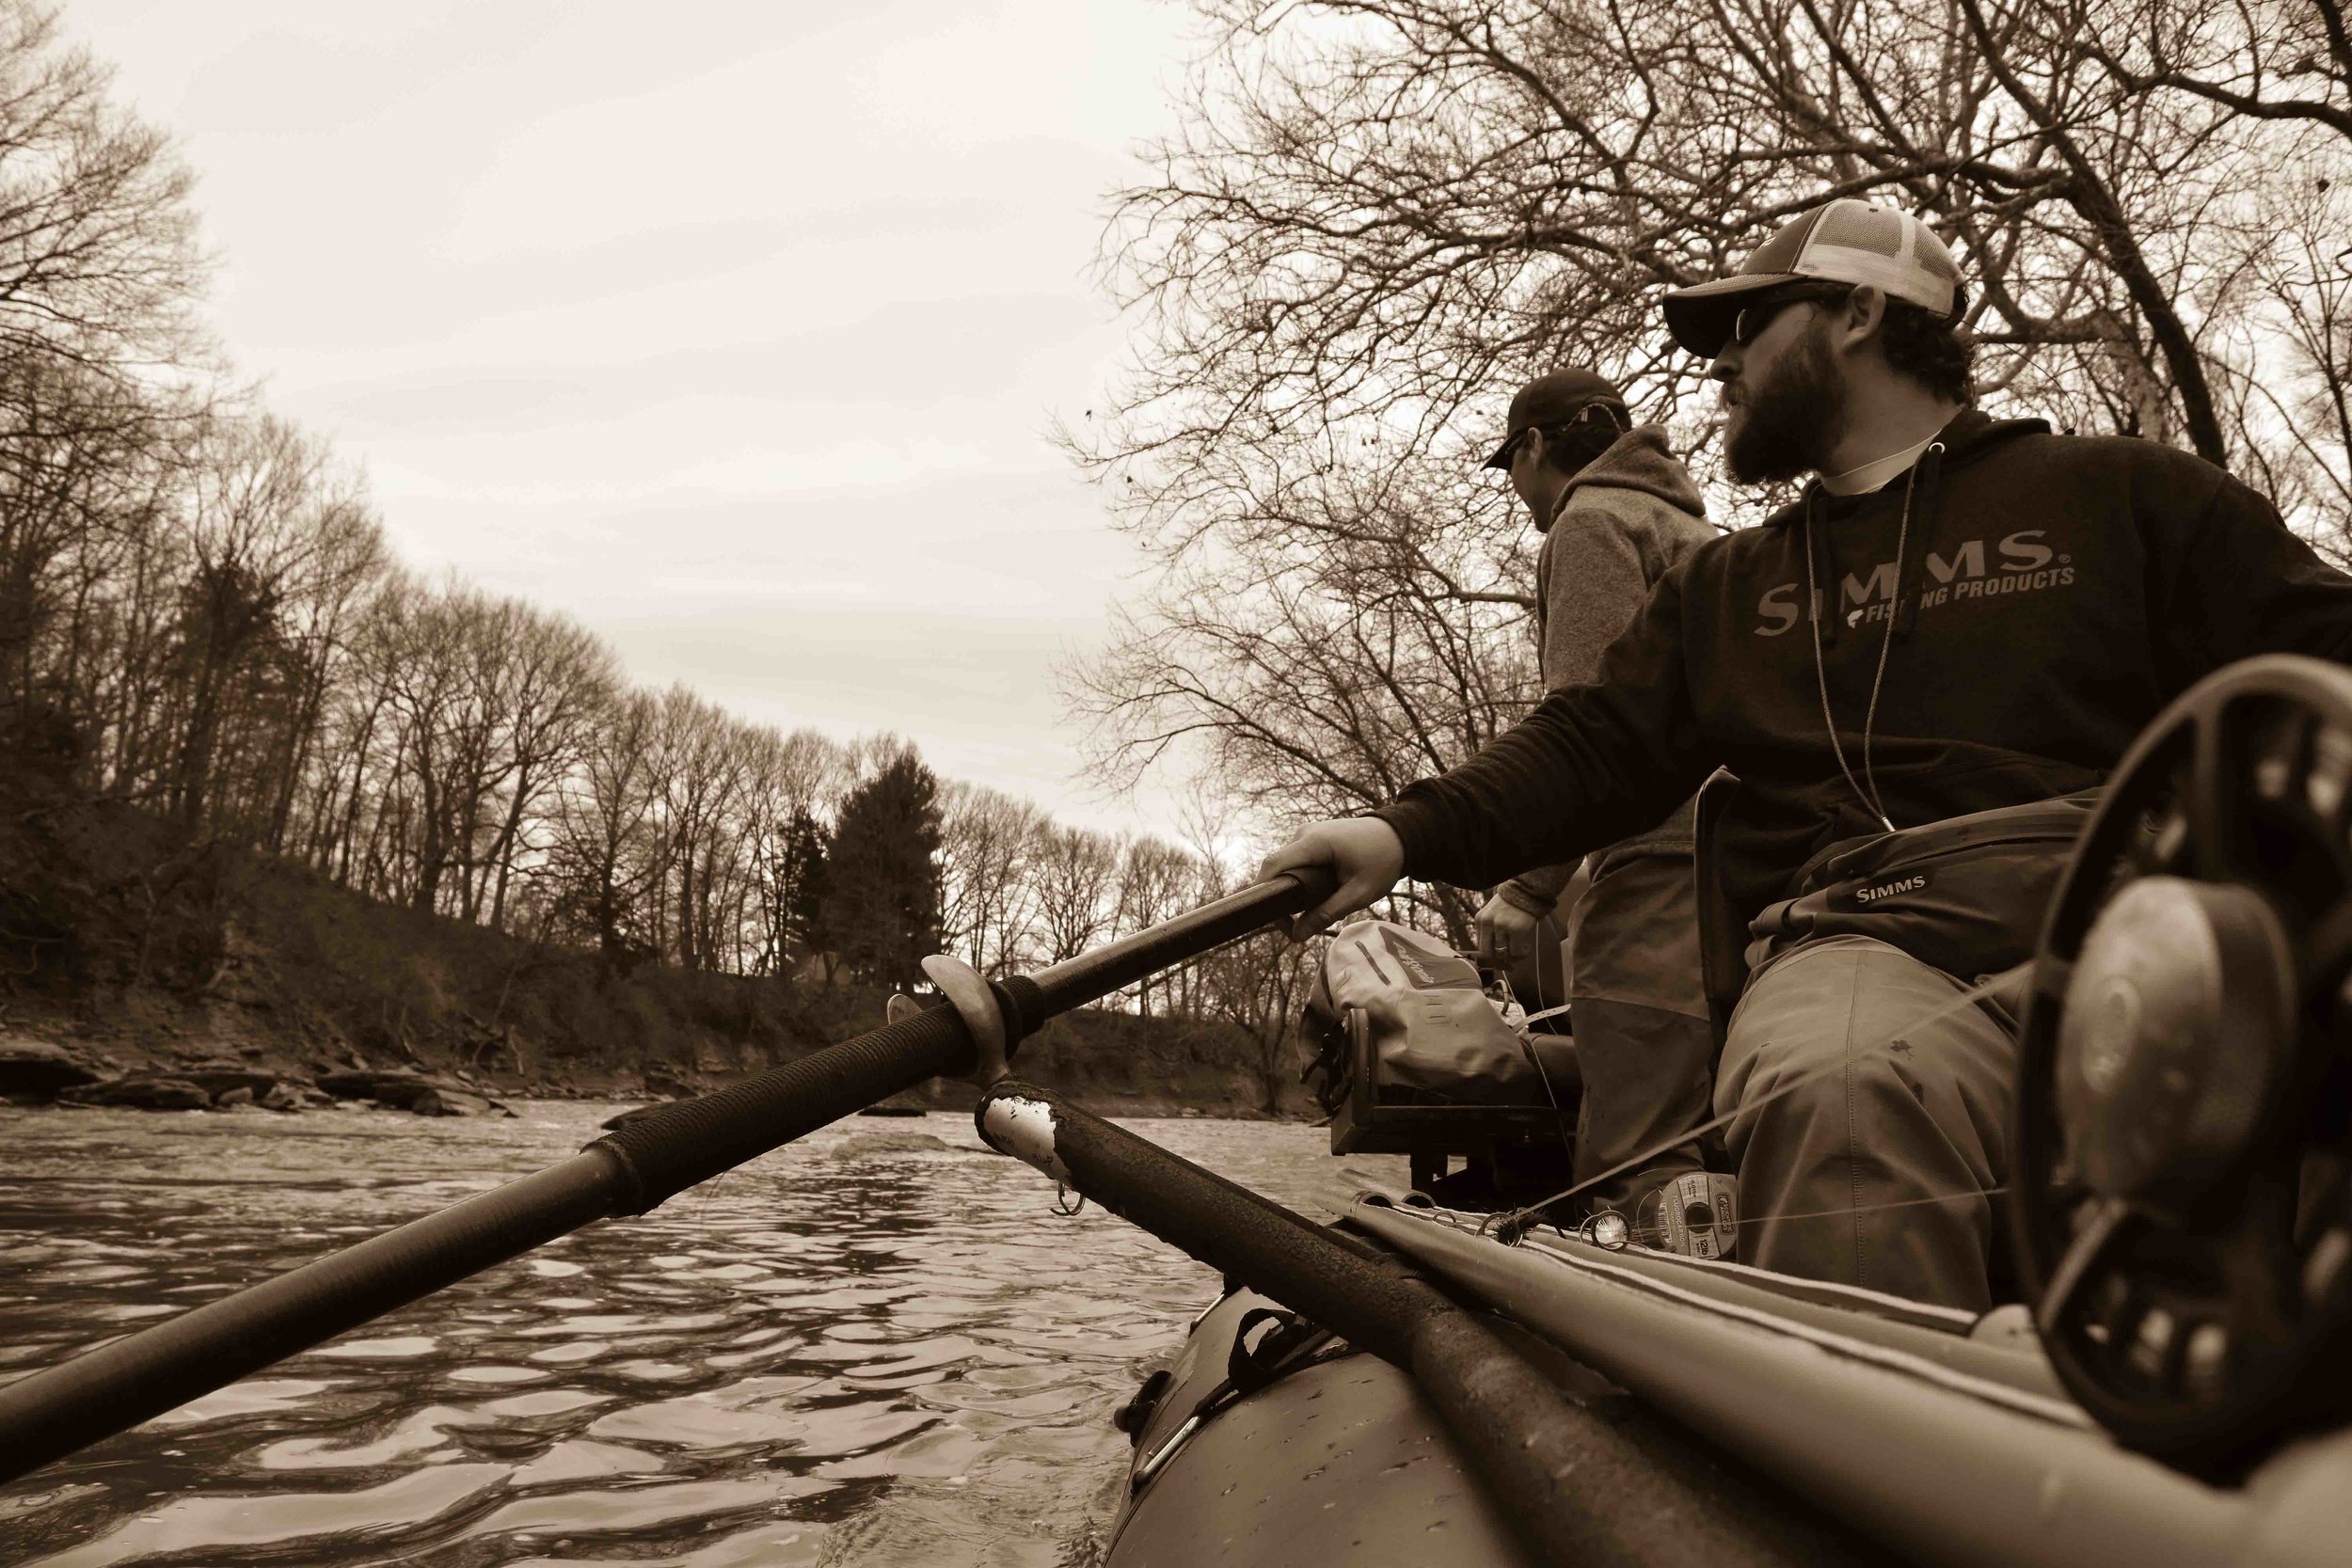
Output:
(38, 1072)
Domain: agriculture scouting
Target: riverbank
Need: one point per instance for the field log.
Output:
(165, 1057)
(253, 973)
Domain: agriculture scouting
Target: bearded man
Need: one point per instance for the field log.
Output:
(1958, 618)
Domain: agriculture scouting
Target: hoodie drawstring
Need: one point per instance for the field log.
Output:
(1901, 610)
(1910, 584)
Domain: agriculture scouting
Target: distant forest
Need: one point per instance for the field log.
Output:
(200, 625)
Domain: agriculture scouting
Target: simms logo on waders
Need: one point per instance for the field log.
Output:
(1876, 890)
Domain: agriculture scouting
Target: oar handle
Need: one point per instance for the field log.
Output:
(102, 1391)
(1115, 966)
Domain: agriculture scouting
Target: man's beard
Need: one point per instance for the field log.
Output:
(1791, 423)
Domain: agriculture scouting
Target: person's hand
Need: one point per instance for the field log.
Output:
(1362, 854)
(1506, 933)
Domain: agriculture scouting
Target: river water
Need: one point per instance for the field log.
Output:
(849, 1352)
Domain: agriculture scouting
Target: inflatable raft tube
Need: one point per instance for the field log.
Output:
(1849, 1426)
(1943, 1436)
(1336, 1460)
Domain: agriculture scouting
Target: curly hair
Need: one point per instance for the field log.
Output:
(1931, 350)
(1928, 348)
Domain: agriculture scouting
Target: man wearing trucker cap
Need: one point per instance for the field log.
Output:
(1957, 617)
(1616, 511)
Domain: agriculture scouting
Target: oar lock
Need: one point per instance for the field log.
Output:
(976, 1003)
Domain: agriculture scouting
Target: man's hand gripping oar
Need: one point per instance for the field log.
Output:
(1362, 856)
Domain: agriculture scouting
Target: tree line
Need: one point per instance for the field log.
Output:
(1378, 217)
(199, 620)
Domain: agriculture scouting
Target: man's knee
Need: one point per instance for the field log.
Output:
(1859, 1033)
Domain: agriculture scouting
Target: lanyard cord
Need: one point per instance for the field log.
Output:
(1870, 796)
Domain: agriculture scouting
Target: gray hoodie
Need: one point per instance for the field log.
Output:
(1626, 517)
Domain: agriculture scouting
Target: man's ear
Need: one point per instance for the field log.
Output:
(1861, 316)
(1533, 445)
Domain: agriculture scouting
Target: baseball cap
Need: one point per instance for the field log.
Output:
(1551, 401)
(1845, 241)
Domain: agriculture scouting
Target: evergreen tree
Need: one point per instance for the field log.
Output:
(881, 899)
(803, 874)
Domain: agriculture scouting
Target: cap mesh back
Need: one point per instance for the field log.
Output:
(1855, 227)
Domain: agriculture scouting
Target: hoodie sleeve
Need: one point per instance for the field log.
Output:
(1590, 766)
(2240, 583)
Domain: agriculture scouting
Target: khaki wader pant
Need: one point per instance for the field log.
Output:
(1875, 1174)
(1643, 1038)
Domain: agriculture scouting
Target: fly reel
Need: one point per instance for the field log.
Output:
(2181, 1167)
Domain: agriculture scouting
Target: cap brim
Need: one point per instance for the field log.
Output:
(1700, 317)
(1502, 459)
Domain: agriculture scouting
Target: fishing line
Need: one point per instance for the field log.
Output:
(1838, 1213)
(1517, 1220)
(702, 1209)
(1526, 1037)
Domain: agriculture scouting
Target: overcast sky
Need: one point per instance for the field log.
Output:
(733, 330)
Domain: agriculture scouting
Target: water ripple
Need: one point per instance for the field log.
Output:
(865, 1348)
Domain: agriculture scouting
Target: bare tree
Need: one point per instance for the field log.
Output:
(1073, 875)
(266, 528)
(558, 679)
(98, 259)
(1380, 216)
(606, 853)
(1157, 882)
(1259, 987)
(789, 779)
(986, 838)
(701, 769)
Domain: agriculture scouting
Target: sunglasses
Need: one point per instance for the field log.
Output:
(1752, 319)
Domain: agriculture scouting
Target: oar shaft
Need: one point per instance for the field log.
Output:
(50, 1414)
(1577, 1489)
(689, 1141)
(1115, 966)
(126, 1381)
(693, 1140)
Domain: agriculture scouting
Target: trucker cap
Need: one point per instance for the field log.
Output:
(1843, 240)
(1551, 401)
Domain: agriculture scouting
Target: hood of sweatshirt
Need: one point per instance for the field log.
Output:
(1638, 460)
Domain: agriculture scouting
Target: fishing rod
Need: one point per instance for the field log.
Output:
(972, 1033)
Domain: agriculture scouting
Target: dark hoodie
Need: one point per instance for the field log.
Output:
(2052, 594)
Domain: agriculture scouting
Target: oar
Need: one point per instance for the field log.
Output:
(120, 1384)
(1576, 1486)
